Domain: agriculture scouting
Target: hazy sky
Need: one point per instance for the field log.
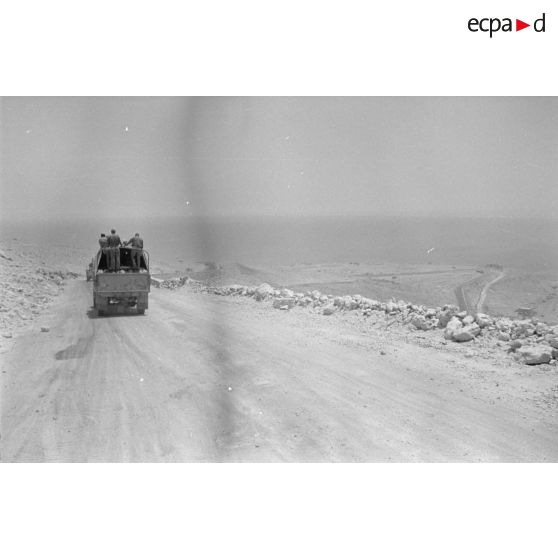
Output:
(73, 157)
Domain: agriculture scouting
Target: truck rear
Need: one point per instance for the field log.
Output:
(123, 291)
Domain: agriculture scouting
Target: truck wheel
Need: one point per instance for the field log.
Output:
(141, 310)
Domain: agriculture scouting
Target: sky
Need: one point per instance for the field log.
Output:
(156, 157)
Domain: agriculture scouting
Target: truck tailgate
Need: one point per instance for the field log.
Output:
(122, 282)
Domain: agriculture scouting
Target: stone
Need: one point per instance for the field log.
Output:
(263, 291)
(235, 288)
(503, 336)
(283, 302)
(287, 293)
(504, 324)
(483, 320)
(468, 320)
(391, 307)
(453, 326)
(445, 317)
(45, 329)
(515, 344)
(529, 332)
(535, 354)
(553, 342)
(466, 333)
(420, 322)
(328, 310)
(349, 303)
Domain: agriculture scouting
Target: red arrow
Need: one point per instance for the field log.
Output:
(519, 25)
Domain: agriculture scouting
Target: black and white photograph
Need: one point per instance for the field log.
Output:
(279, 279)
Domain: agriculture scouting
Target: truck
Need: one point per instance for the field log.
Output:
(122, 291)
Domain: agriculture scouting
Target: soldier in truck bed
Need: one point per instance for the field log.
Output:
(136, 242)
(114, 244)
(103, 242)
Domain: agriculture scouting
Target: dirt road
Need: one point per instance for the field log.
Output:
(486, 288)
(463, 300)
(208, 378)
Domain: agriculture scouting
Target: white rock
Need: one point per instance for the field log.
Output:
(483, 320)
(235, 288)
(444, 317)
(283, 302)
(349, 303)
(466, 333)
(535, 354)
(263, 291)
(287, 293)
(390, 306)
(453, 326)
(420, 322)
(504, 324)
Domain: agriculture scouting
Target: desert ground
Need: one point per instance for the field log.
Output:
(203, 377)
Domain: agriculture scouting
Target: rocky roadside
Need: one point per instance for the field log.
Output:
(527, 341)
(28, 284)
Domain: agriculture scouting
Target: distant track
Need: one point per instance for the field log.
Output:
(463, 301)
(485, 289)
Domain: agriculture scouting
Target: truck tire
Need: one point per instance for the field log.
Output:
(141, 311)
(100, 305)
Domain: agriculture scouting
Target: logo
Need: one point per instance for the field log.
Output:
(493, 25)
